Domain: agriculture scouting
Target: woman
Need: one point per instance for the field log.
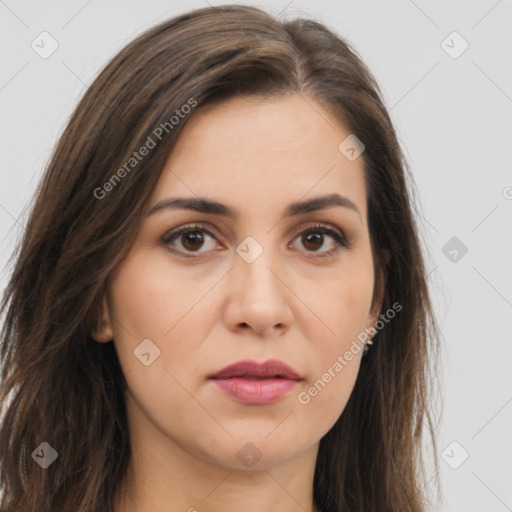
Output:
(223, 228)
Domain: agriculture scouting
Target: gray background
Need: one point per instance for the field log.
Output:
(454, 119)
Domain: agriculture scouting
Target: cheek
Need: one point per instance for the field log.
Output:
(344, 307)
(342, 303)
(148, 302)
(150, 298)
(326, 396)
(151, 301)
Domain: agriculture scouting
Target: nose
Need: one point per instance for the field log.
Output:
(258, 297)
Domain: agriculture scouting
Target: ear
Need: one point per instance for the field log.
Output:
(103, 332)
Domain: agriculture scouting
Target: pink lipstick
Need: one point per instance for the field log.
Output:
(256, 383)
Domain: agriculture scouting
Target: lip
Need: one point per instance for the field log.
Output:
(268, 369)
(256, 383)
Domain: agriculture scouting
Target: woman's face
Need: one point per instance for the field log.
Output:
(268, 282)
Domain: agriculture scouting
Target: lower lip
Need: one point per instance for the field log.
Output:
(255, 392)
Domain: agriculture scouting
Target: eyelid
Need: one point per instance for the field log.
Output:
(199, 226)
(318, 225)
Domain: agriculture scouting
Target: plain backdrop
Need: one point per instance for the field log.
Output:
(445, 69)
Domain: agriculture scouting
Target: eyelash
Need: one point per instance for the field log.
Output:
(341, 240)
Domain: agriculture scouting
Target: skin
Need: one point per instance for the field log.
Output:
(255, 155)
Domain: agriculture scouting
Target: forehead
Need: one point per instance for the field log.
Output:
(258, 151)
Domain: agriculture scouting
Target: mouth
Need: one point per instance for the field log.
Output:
(254, 383)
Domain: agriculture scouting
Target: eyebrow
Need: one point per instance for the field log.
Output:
(203, 205)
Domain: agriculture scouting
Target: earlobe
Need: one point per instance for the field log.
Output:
(103, 332)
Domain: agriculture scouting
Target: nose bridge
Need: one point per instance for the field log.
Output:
(255, 266)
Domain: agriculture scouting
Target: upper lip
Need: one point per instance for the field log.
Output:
(270, 368)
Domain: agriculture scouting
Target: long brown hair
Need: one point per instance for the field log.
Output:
(59, 386)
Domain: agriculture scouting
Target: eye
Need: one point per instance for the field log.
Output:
(192, 238)
(313, 238)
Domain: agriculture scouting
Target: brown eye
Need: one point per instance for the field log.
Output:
(313, 241)
(192, 240)
(314, 238)
(189, 239)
